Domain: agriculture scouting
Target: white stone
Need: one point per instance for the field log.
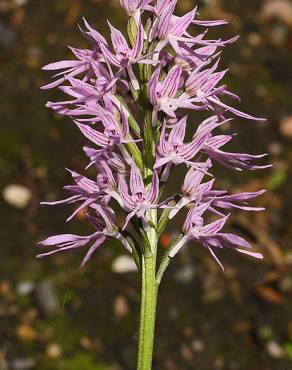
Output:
(124, 264)
(198, 345)
(274, 349)
(17, 195)
(24, 288)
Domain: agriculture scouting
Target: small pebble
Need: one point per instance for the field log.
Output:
(274, 349)
(54, 351)
(26, 332)
(86, 343)
(254, 39)
(24, 288)
(198, 345)
(124, 264)
(17, 196)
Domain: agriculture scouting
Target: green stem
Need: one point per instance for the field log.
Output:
(148, 300)
(148, 313)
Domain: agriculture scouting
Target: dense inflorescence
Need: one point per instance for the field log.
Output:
(130, 99)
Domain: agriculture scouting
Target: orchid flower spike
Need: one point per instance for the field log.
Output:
(131, 98)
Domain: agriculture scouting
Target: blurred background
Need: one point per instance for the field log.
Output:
(57, 316)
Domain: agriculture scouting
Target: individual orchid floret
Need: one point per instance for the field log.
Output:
(210, 236)
(70, 68)
(139, 200)
(234, 201)
(161, 94)
(65, 242)
(166, 96)
(191, 59)
(84, 190)
(116, 130)
(107, 183)
(105, 227)
(236, 161)
(124, 56)
(85, 102)
(170, 29)
(115, 134)
(193, 190)
(203, 86)
(93, 36)
(173, 150)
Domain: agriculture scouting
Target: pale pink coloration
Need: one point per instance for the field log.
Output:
(210, 235)
(116, 90)
(105, 228)
(139, 200)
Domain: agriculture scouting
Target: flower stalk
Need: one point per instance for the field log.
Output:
(147, 314)
(149, 291)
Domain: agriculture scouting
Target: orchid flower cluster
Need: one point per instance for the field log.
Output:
(132, 99)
